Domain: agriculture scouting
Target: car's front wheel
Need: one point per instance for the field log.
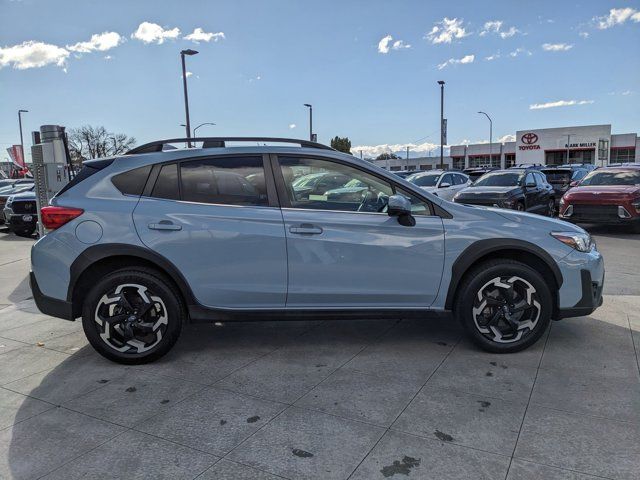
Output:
(504, 305)
(133, 316)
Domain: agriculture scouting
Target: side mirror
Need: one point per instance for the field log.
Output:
(400, 206)
(444, 185)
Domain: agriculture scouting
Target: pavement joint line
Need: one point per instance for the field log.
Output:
(80, 455)
(14, 261)
(394, 324)
(244, 465)
(635, 349)
(533, 386)
(564, 469)
(581, 414)
(388, 429)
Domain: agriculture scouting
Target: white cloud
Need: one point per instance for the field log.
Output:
(584, 34)
(454, 61)
(33, 54)
(492, 26)
(495, 26)
(627, 92)
(255, 79)
(292, 126)
(556, 47)
(108, 57)
(100, 42)
(372, 151)
(446, 31)
(493, 56)
(559, 103)
(507, 138)
(199, 35)
(617, 16)
(509, 33)
(153, 33)
(387, 43)
(383, 44)
(520, 51)
(188, 74)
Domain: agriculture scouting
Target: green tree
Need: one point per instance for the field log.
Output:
(387, 156)
(341, 144)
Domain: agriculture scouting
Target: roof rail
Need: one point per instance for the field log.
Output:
(219, 142)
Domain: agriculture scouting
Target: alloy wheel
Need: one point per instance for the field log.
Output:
(131, 318)
(506, 309)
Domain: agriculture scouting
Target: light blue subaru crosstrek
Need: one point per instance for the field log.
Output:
(142, 243)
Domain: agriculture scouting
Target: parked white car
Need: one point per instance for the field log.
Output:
(444, 184)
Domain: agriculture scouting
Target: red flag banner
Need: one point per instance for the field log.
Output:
(15, 152)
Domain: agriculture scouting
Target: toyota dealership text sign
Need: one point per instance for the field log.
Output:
(530, 141)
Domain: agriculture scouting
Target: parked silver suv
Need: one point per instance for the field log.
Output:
(142, 243)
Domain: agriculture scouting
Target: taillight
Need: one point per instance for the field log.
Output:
(55, 217)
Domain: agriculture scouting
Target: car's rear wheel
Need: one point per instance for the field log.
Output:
(504, 305)
(133, 316)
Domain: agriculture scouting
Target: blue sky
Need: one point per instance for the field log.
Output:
(528, 64)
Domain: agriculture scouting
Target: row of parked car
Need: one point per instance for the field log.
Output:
(577, 193)
(18, 211)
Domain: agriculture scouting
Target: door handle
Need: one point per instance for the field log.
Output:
(305, 229)
(164, 225)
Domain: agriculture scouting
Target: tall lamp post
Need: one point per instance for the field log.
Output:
(441, 83)
(20, 112)
(490, 138)
(183, 53)
(310, 107)
(201, 125)
(568, 143)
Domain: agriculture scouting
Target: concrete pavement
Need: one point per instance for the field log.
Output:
(323, 400)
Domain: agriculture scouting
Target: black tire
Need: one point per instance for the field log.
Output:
(159, 322)
(515, 330)
(520, 206)
(25, 232)
(551, 207)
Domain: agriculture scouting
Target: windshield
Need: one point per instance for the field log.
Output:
(429, 180)
(307, 180)
(557, 175)
(612, 177)
(355, 182)
(499, 179)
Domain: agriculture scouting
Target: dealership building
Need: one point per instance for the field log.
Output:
(593, 144)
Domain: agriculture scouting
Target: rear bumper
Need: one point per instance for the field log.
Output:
(590, 300)
(49, 305)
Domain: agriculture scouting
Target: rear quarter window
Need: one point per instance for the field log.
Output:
(132, 182)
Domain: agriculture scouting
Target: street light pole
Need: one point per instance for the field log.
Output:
(201, 125)
(441, 83)
(568, 142)
(310, 107)
(490, 138)
(186, 95)
(20, 112)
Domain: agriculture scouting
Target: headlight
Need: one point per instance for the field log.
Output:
(580, 241)
(9, 201)
(636, 204)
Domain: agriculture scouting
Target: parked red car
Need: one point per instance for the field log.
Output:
(609, 195)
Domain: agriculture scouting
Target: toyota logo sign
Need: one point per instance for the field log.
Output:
(529, 138)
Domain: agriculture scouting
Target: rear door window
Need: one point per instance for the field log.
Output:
(166, 185)
(225, 181)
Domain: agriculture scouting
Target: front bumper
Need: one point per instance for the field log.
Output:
(49, 305)
(581, 291)
(18, 221)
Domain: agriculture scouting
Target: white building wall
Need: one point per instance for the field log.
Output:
(532, 144)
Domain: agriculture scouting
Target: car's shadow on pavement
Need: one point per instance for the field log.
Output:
(325, 399)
